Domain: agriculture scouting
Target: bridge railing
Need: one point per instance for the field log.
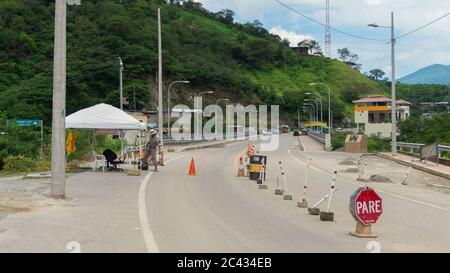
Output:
(414, 148)
(318, 136)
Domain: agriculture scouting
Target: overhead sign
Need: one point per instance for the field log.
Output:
(316, 124)
(366, 206)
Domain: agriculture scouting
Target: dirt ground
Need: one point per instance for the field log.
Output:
(19, 195)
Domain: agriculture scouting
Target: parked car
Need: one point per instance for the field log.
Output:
(296, 133)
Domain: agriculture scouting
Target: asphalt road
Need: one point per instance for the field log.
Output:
(216, 211)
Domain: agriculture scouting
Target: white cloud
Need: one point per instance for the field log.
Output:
(423, 48)
(293, 37)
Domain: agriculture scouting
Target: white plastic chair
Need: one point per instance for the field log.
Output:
(99, 161)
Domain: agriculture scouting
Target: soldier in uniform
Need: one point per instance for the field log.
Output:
(151, 149)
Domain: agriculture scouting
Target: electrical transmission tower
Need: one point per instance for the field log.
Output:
(328, 33)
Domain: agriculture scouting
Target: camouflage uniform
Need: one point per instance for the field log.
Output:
(150, 149)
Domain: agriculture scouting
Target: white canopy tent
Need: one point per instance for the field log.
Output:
(103, 116)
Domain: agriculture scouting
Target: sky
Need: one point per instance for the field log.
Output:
(426, 47)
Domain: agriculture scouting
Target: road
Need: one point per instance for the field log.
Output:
(216, 211)
(219, 212)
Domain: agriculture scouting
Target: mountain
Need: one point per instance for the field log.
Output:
(434, 74)
(242, 62)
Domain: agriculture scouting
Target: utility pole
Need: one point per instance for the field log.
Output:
(160, 95)
(121, 99)
(59, 102)
(328, 31)
(121, 82)
(393, 84)
(393, 89)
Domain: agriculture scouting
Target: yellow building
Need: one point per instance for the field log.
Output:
(373, 115)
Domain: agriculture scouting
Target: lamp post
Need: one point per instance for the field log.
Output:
(308, 110)
(393, 84)
(121, 99)
(330, 125)
(217, 104)
(321, 104)
(168, 105)
(206, 92)
(317, 105)
(315, 112)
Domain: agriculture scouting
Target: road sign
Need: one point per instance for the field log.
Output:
(28, 122)
(366, 206)
(316, 124)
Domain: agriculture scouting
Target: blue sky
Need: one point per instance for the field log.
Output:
(427, 47)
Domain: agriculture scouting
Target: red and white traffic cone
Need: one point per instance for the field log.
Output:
(304, 202)
(327, 215)
(287, 196)
(241, 170)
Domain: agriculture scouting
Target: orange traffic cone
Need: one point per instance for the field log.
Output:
(192, 168)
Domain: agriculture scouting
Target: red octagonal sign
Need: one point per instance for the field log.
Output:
(366, 206)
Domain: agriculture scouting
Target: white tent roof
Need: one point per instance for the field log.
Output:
(103, 116)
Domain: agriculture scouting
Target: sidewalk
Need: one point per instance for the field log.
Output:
(308, 144)
(100, 214)
(428, 167)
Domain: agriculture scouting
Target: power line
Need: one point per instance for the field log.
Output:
(422, 27)
(332, 28)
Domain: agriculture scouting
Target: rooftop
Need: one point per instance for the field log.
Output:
(379, 99)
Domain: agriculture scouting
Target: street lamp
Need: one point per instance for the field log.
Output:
(314, 109)
(321, 104)
(121, 99)
(308, 110)
(168, 105)
(217, 104)
(330, 126)
(393, 83)
(206, 92)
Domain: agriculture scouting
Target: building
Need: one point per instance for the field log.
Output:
(301, 50)
(373, 115)
(432, 108)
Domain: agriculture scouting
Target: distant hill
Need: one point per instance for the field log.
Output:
(242, 62)
(434, 74)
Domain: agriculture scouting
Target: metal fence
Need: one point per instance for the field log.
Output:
(318, 136)
(414, 148)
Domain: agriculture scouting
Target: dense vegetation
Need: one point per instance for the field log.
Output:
(426, 130)
(239, 61)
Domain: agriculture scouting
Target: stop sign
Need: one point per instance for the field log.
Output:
(366, 206)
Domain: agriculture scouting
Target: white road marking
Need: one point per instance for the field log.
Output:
(149, 239)
(383, 192)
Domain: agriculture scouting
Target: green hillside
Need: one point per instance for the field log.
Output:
(242, 62)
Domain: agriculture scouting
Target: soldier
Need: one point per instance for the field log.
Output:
(150, 149)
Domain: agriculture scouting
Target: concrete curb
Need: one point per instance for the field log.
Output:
(301, 144)
(414, 166)
(206, 145)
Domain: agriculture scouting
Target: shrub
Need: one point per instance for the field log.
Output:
(18, 163)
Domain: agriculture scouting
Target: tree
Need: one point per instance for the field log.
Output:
(344, 54)
(225, 16)
(376, 74)
(313, 47)
(349, 58)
